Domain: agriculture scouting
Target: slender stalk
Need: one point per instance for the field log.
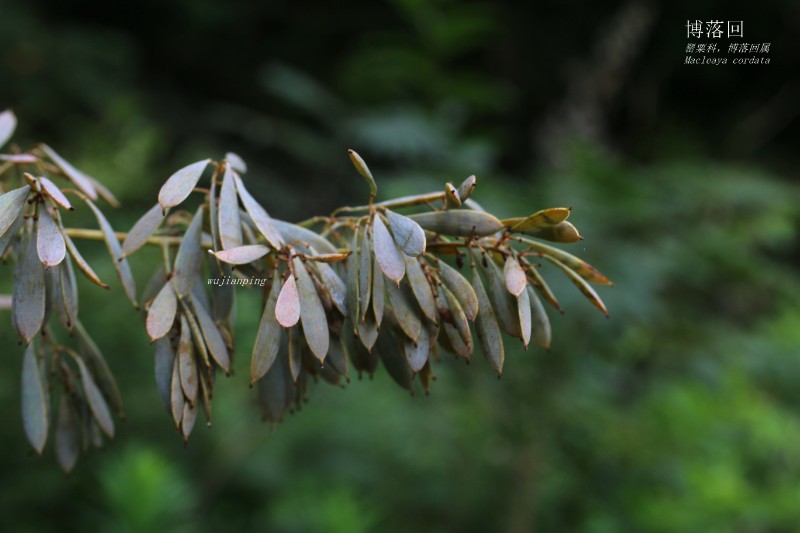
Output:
(404, 201)
(97, 235)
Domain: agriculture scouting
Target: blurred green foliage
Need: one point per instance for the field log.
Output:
(680, 413)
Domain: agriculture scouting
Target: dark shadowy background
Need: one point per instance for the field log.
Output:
(680, 413)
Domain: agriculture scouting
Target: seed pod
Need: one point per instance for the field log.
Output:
(8, 123)
(161, 314)
(142, 230)
(514, 276)
(312, 314)
(180, 185)
(49, 241)
(97, 404)
(83, 266)
(451, 193)
(268, 338)
(261, 219)
(242, 255)
(582, 285)
(287, 307)
(29, 292)
(421, 288)
(503, 303)
(408, 235)
(115, 250)
(581, 267)
(81, 180)
(466, 188)
(364, 275)
(389, 258)
(362, 169)
(543, 219)
(406, 313)
(563, 232)
(524, 313)
(487, 328)
(164, 361)
(539, 320)
(188, 260)
(68, 435)
(461, 289)
(12, 204)
(459, 222)
(35, 405)
(230, 226)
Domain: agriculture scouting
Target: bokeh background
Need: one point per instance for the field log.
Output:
(679, 413)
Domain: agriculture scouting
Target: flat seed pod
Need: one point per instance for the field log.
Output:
(259, 215)
(268, 338)
(487, 328)
(188, 419)
(176, 399)
(35, 405)
(336, 287)
(458, 316)
(421, 288)
(237, 163)
(406, 313)
(29, 292)
(142, 230)
(164, 361)
(81, 180)
(389, 258)
(188, 260)
(540, 323)
(49, 241)
(312, 313)
(83, 266)
(582, 285)
(503, 303)
(12, 204)
(563, 232)
(97, 404)
(461, 288)
(524, 313)
(393, 357)
(295, 352)
(230, 226)
(287, 307)
(214, 342)
(408, 235)
(363, 169)
(451, 193)
(417, 353)
(353, 289)
(543, 219)
(54, 193)
(242, 255)
(368, 332)
(581, 267)
(68, 435)
(115, 250)
(459, 222)
(180, 185)
(97, 364)
(378, 293)
(187, 366)
(466, 188)
(161, 314)
(514, 276)
(364, 275)
(292, 233)
(8, 123)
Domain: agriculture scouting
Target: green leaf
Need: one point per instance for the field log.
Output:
(180, 185)
(408, 235)
(461, 288)
(378, 293)
(259, 215)
(188, 260)
(540, 322)
(312, 314)
(29, 292)
(417, 352)
(457, 316)
(161, 314)
(115, 250)
(582, 285)
(563, 232)
(94, 359)
(242, 255)
(362, 169)
(406, 313)
(81, 180)
(268, 338)
(230, 226)
(83, 266)
(287, 307)
(12, 204)
(176, 399)
(421, 288)
(364, 275)
(97, 404)
(389, 258)
(142, 230)
(187, 366)
(68, 435)
(292, 234)
(487, 328)
(164, 361)
(213, 338)
(514, 276)
(35, 404)
(503, 303)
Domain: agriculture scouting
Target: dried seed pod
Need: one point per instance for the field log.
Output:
(161, 314)
(408, 235)
(487, 327)
(514, 276)
(459, 222)
(241, 255)
(421, 288)
(389, 258)
(115, 250)
(461, 288)
(35, 404)
(142, 230)
(230, 225)
(466, 188)
(563, 232)
(540, 322)
(268, 338)
(188, 260)
(312, 314)
(180, 185)
(29, 292)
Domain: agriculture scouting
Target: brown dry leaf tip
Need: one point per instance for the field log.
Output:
(329, 258)
(179, 186)
(287, 307)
